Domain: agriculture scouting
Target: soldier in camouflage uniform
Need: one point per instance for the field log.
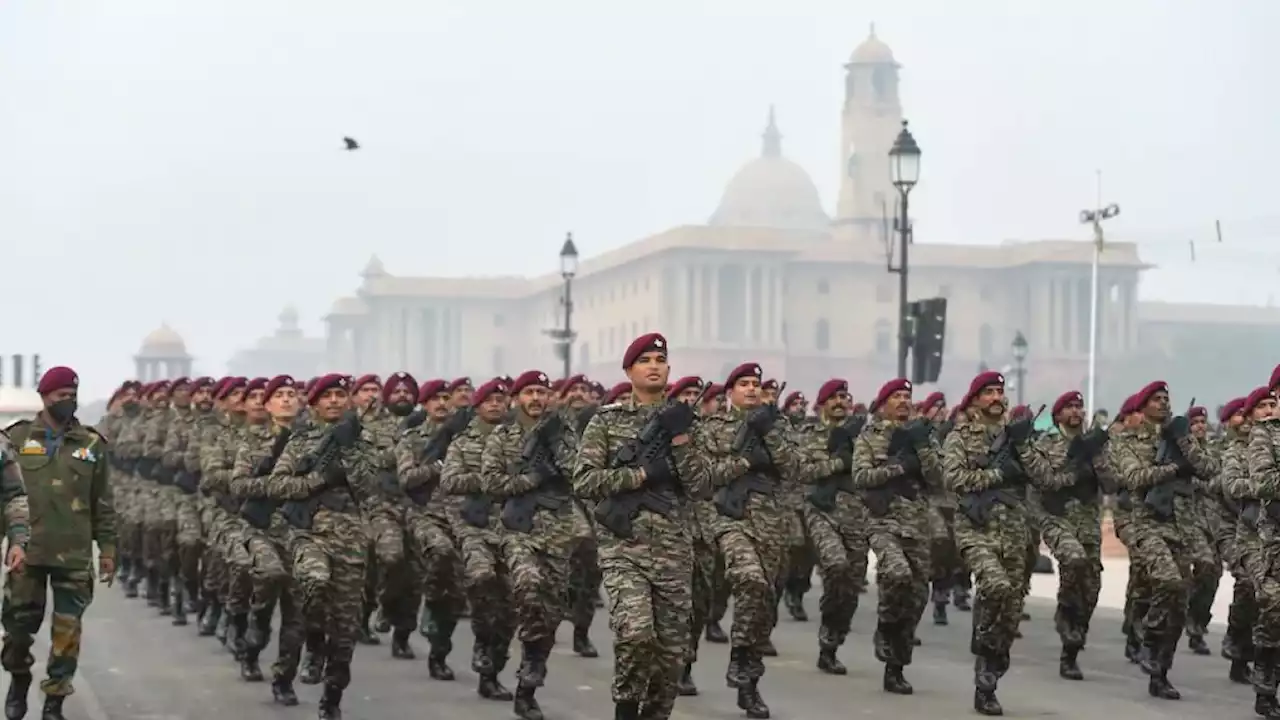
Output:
(1206, 564)
(364, 398)
(945, 564)
(429, 519)
(1065, 501)
(526, 463)
(1258, 543)
(584, 564)
(803, 558)
(205, 428)
(991, 529)
(711, 403)
(1136, 595)
(65, 466)
(480, 537)
(326, 504)
(180, 459)
(120, 408)
(157, 534)
(270, 546)
(752, 537)
(647, 560)
(700, 515)
(226, 616)
(1237, 642)
(839, 528)
(1160, 535)
(893, 477)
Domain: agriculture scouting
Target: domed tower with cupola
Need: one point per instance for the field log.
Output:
(163, 356)
(869, 122)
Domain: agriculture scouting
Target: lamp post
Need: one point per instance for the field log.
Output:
(568, 268)
(1019, 358)
(1095, 218)
(904, 169)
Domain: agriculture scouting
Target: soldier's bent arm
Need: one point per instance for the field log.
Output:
(497, 465)
(593, 479)
(724, 465)
(456, 478)
(960, 474)
(1264, 476)
(1046, 465)
(243, 484)
(171, 453)
(692, 467)
(867, 473)
(13, 496)
(930, 463)
(412, 473)
(286, 483)
(1233, 481)
(103, 514)
(1137, 475)
(1202, 460)
(215, 476)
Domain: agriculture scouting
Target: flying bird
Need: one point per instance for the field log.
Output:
(351, 143)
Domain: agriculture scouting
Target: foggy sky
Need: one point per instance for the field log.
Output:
(182, 161)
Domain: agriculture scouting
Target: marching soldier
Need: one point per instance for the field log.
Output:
(701, 518)
(1206, 564)
(1259, 541)
(179, 458)
(584, 566)
(1237, 642)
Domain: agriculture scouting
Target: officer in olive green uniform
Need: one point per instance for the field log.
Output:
(64, 465)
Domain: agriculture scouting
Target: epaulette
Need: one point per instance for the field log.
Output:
(96, 433)
(611, 407)
(15, 424)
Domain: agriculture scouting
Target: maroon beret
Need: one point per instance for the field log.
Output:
(1196, 411)
(432, 388)
(529, 377)
(1019, 412)
(1275, 378)
(258, 383)
(792, 397)
(649, 342)
(202, 383)
(829, 390)
(178, 382)
(328, 382)
(459, 383)
(277, 382)
(1064, 400)
(567, 384)
(1234, 406)
(712, 391)
(684, 383)
(770, 384)
(235, 383)
(1127, 408)
(394, 381)
(743, 370)
(57, 378)
(216, 390)
(1141, 397)
(616, 392)
(366, 379)
(984, 379)
(597, 387)
(558, 386)
(1256, 397)
(495, 386)
(932, 400)
(890, 388)
(158, 387)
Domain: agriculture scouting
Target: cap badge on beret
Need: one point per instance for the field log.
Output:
(658, 343)
(999, 378)
(542, 377)
(500, 388)
(755, 370)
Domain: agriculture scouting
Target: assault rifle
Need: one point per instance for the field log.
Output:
(840, 444)
(1160, 497)
(583, 417)
(1001, 456)
(1082, 451)
(437, 447)
(650, 451)
(325, 459)
(904, 445)
(257, 511)
(731, 500)
(538, 457)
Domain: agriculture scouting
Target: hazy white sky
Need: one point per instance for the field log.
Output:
(181, 161)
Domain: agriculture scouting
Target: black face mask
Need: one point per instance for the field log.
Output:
(400, 409)
(63, 411)
(131, 408)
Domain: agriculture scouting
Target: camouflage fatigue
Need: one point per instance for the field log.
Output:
(230, 576)
(485, 576)
(705, 552)
(180, 454)
(69, 509)
(431, 537)
(394, 573)
(1074, 537)
(584, 563)
(1237, 643)
(160, 523)
(137, 490)
(753, 546)
(1198, 538)
(946, 568)
(538, 561)
(995, 552)
(1137, 592)
(1259, 547)
(840, 541)
(272, 569)
(648, 576)
(329, 558)
(1166, 563)
(900, 539)
(111, 427)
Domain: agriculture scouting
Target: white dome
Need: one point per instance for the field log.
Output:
(164, 341)
(771, 191)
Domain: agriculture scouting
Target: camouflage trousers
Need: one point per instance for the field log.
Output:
(584, 583)
(650, 608)
(1206, 574)
(1075, 540)
(395, 574)
(1237, 642)
(271, 576)
(701, 595)
(25, 599)
(945, 564)
(751, 567)
(440, 572)
(329, 570)
(538, 565)
(902, 579)
(190, 541)
(841, 551)
(996, 554)
(720, 590)
(1166, 568)
(216, 578)
(239, 565)
(488, 589)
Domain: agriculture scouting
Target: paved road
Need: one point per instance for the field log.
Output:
(135, 666)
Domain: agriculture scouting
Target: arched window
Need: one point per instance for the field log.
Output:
(884, 337)
(822, 336)
(986, 342)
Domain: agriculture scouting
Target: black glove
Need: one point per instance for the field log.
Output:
(845, 456)
(264, 466)
(1009, 467)
(1177, 428)
(347, 430)
(676, 418)
(919, 430)
(1020, 430)
(335, 476)
(762, 419)
(910, 464)
(758, 458)
(305, 465)
(659, 471)
(838, 440)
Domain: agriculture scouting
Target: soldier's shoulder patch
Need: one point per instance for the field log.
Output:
(611, 408)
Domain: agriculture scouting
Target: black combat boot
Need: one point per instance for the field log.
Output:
(795, 606)
(686, 687)
(715, 633)
(940, 613)
(15, 703)
(130, 586)
(311, 671)
(960, 598)
(582, 643)
(282, 692)
(1158, 686)
(750, 701)
(163, 599)
(1239, 672)
(179, 605)
(441, 639)
(152, 591)
(986, 677)
(1266, 706)
(1068, 668)
(1197, 645)
(238, 626)
(250, 671)
(331, 703)
(382, 625)
(626, 710)
(490, 688)
(52, 708)
(366, 633)
(829, 663)
(985, 702)
(895, 682)
(400, 649)
(526, 705)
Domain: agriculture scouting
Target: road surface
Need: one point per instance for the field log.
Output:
(135, 666)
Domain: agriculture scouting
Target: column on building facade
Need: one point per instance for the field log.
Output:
(707, 332)
(747, 327)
